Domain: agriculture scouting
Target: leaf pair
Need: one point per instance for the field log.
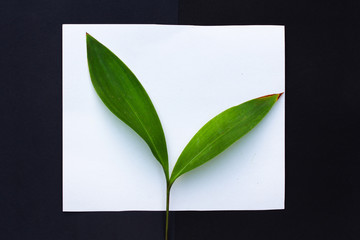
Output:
(123, 94)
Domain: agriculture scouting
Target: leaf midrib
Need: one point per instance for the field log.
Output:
(143, 126)
(206, 147)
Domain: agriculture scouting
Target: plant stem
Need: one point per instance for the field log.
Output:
(167, 210)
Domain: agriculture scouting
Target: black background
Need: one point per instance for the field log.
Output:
(322, 117)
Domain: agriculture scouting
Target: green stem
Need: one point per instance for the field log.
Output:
(168, 187)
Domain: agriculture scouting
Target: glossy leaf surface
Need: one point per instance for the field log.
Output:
(222, 131)
(123, 94)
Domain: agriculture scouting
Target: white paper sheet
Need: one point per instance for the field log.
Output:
(191, 73)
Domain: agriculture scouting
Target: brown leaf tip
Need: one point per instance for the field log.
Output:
(279, 95)
(270, 95)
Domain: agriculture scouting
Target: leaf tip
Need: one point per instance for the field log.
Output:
(270, 95)
(279, 95)
(88, 35)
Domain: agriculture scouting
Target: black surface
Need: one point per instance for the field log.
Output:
(31, 120)
(322, 117)
(322, 75)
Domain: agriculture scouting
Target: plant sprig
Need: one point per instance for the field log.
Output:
(124, 95)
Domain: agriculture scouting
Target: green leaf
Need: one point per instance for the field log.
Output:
(222, 131)
(123, 94)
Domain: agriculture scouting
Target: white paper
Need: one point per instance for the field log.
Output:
(191, 74)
